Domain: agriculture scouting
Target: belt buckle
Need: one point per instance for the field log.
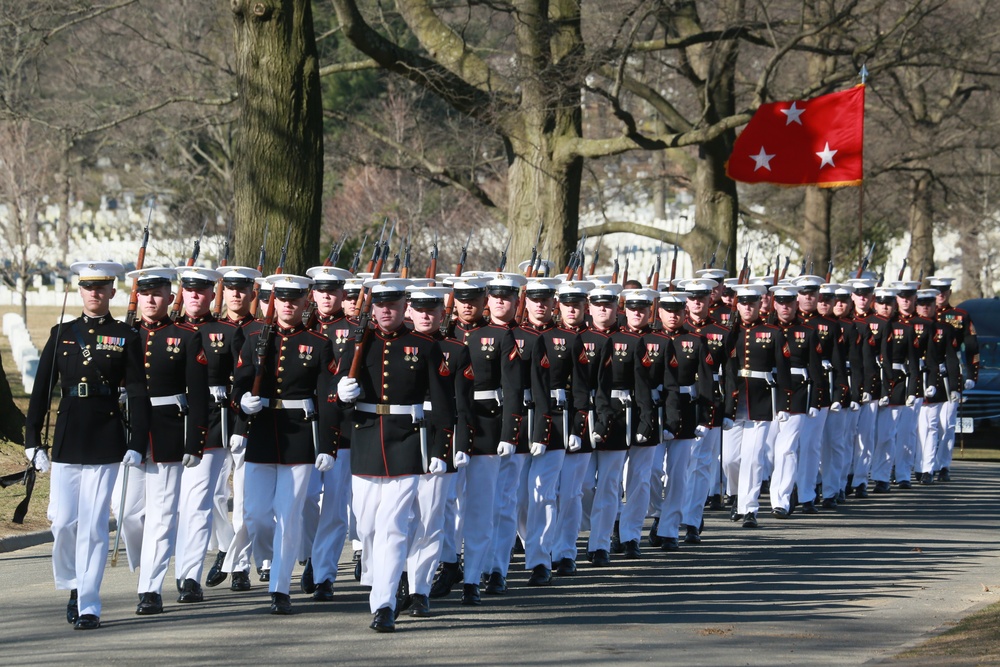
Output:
(382, 409)
(83, 390)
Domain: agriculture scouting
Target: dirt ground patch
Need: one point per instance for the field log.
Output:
(975, 640)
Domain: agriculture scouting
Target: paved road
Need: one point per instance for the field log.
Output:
(848, 587)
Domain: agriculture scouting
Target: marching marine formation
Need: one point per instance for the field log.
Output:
(436, 425)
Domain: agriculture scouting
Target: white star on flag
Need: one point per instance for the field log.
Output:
(762, 159)
(792, 114)
(826, 156)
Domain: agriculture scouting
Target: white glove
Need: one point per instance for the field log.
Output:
(596, 437)
(437, 466)
(855, 406)
(700, 431)
(667, 435)
(813, 412)
(866, 397)
(574, 443)
(190, 460)
(38, 458)
(122, 395)
(884, 401)
(324, 462)
(930, 391)
(251, 404)
(954, 397)
(835, 406)
(911, 401)
(727, 423)
(640, 438)
(218, 393)
(970, 384)
(783, 416)
(237, 443)
(505, 448)
(132, 458)
(537, 449)
(461, 460)
(348, 390)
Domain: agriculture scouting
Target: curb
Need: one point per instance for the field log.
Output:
(23, 541)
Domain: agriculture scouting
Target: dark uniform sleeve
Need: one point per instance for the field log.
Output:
(642, 393)
(541, 386)
(603, 408)
(510, 382)
(670, 394)
(139, 408)
(705, 384)
(841, 384)
(464, 386)
(326, 404)
(782, 364)
(196, 379)
(730, 384)
(970, 341)
(817, 374)
(580, 387)
(442, 417)
(39, 404)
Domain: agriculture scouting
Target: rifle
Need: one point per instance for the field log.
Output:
(261, 258)
(449, 305)
(784, 270)
(802, 269)
(881, 277)
(217, 306)
(175, 310)
(745, 270)
(266, 340)
(829, 270)
(614, 271)
(528, 273)
(405, 273)
(777, 274)
(655, 282)
(597, 255)
(371, 265)
(725, 261)
(503, 256)
(433, 267)
(902, 270)
(864, 262)
(711, 262)
(133, 297)
(365, 313)
(356, 260)
(673, 265)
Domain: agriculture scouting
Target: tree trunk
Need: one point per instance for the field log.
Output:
(278, 162)
(815, 240)
(921, 254)
(716, 212)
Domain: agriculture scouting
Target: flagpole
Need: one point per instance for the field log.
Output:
(861, 190)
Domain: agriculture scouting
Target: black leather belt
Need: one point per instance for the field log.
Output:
(87, 390)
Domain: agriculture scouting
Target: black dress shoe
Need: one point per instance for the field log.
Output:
(693, 536)
(470, 594)
(861, 491)
(324, 591)
(87, 622)
(421, 607)
(149, 603)
(403, 597)
(779, 513)
(829, 503)
(601, 558)
(631, 549)
(264, 574)
(765, 486)
(357, 566)
(72, 608)
(881, 487)
(905, 484)
(841, 497)
(654, 539)
(191, 592)
(281, 604)
(944, 475)
(927, 478)
(809, 508)
(449, 575)
(540, 576)
(669, 544)
(566, 567)
(497, 584)
(616, 540)
(734, 514)
(715, 503)
(241, 581)
(306, 582)
(215, 575)
(384, 621)
(750, 520)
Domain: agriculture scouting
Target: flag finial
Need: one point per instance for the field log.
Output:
(863, 74)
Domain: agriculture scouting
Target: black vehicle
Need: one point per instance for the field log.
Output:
(980, 407)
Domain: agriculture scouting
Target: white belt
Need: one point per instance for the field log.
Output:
(690, 389)
(416, 410)
(899, 367)
(757, 375)
(305, 404)
(804, 372)
(180, 400)
(488, 395)
(623, 395)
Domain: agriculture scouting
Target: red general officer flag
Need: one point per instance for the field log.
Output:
(805, 142)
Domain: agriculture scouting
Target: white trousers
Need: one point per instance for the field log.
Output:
(569, 506)
(480, 501)
(222, 527)
(426, 531)
(656, 474)
(199, 487)
(240, 548)
(929, 435)
(864, 443)
(810, 454)
(607, 496)
(633, 511)
(787, 447)
(731, 455)
(454, 516)
(748, 436)
(507, 519)
(905, 446)
(275, 495)
(835, 455)
(334, 517)
(159, 535)
(850, 435)
(885, 438)
(677, 466)
(79, 502)
(541, 484)
(703, 476)
(949, 416)
(384, 506)
(132, 518)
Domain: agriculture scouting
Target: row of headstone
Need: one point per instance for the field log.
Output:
(22, 349)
